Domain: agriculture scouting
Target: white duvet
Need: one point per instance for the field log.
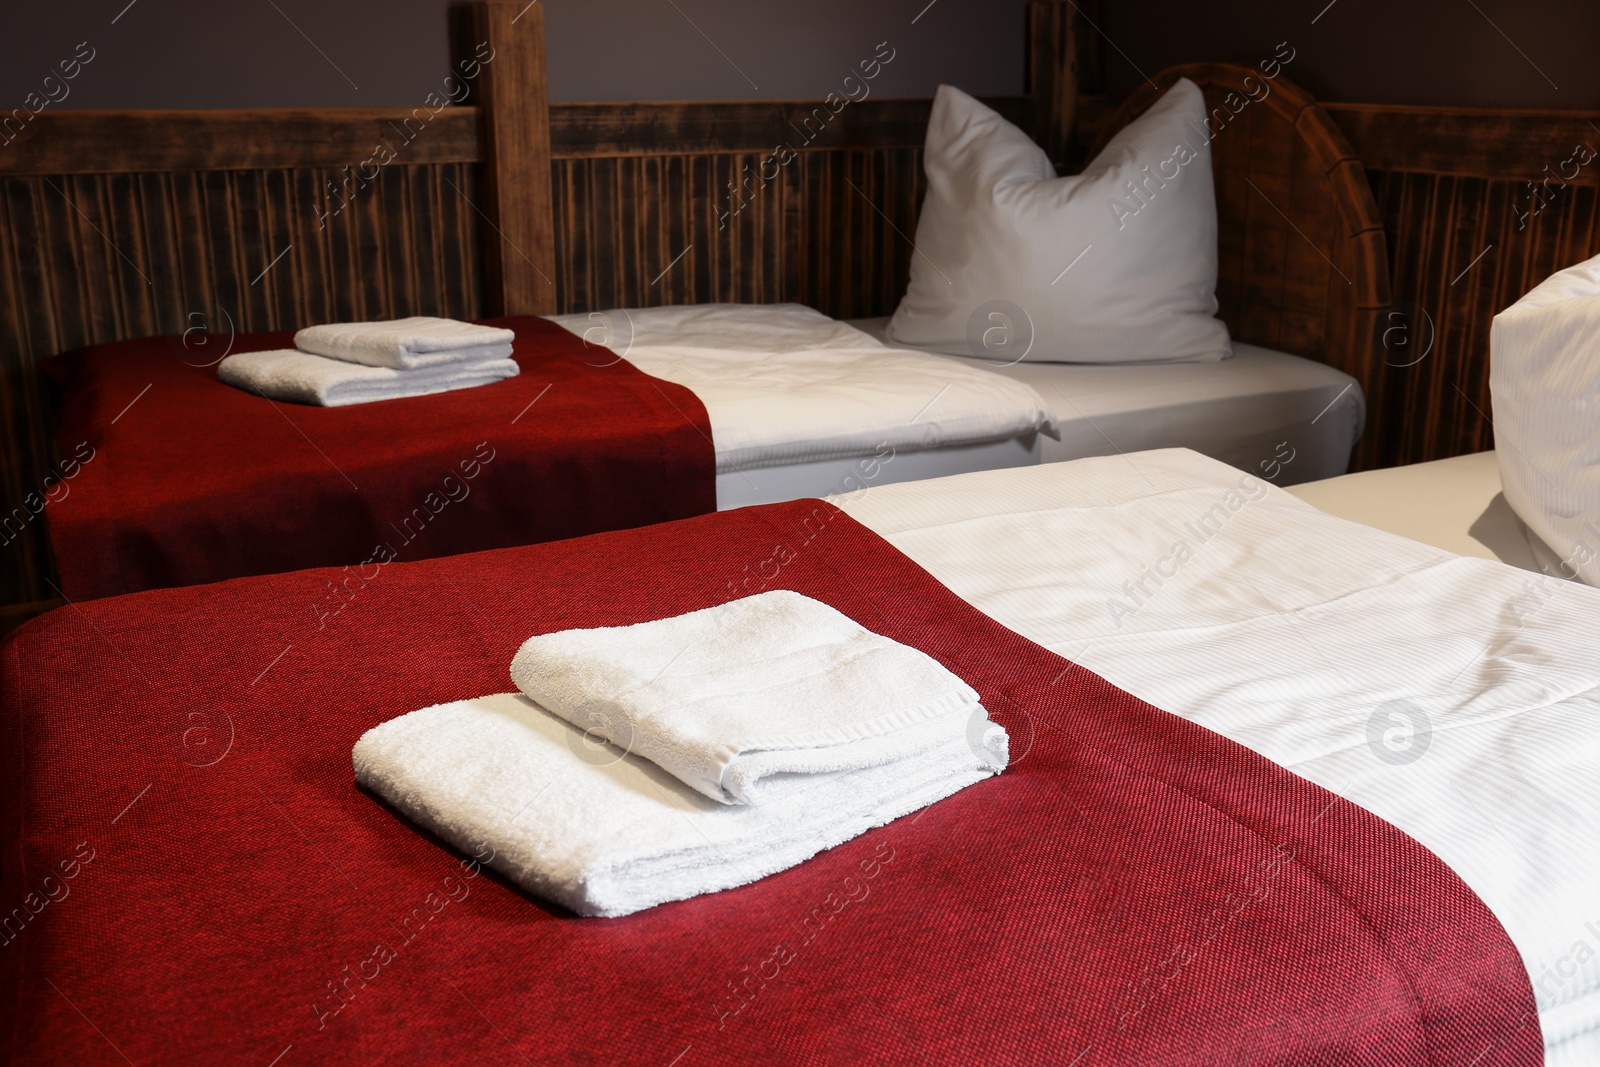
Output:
(785, 384)
(1457, 698)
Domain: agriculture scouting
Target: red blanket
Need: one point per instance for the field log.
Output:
(197, 880)
(177, 479)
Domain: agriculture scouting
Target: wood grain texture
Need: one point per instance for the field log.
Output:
(682, 203)
(1052, 74)
(1473, 142)
(1302, 261)
(516, 109)
(1462, 250)
(830, 228)
(57, 142)
(592, 131)
(1479, 207)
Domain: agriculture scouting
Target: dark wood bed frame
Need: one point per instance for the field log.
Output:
(1348, 231)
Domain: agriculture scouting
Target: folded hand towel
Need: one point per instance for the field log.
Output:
(604, 833)
(727, 697)
(301, 378)
(406, 344)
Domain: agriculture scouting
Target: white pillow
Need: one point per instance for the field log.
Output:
(1114, 265)
(1544, 379)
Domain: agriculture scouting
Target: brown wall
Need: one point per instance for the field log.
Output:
(280, 53)
(328, 53)
(284, 53)
(1488, 53)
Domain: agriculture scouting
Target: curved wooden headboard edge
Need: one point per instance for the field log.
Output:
(1275, 300)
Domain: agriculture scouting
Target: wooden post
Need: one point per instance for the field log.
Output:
(1052, 74)
(520, 246)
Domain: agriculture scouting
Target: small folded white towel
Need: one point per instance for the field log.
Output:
(729, 697)
(302, 378)
(406, 344)
(608, 834)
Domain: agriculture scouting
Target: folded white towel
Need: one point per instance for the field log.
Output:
(727, 697)
(604, 833)
(301, 378)
(406, 344)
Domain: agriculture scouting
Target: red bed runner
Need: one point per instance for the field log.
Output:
(211, 887)
(188, 480)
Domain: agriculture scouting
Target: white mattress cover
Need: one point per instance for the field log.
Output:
(784, 384)
(1455, 504)
(1238, 410)
(1291, 631)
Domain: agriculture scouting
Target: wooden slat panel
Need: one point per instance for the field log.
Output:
(1458, 257)
(832, 230)
(1479, 206)
(1268, 176)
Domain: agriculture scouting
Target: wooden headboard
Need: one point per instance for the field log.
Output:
(1478, 206)
(1301, 263)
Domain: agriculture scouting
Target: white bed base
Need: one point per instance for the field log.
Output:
(825, 477)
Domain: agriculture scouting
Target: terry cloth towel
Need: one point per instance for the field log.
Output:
(301, 378)
(728, 697)
(607, 834)
(406, 344)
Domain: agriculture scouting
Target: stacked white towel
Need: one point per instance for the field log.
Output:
(359, 362)
(406, 344)
(302, 378)
(743, 739)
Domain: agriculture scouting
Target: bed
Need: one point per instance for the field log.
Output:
(1292, 418)
(213, 833)
(194, 225)
(1366, 662)
(1455, 504)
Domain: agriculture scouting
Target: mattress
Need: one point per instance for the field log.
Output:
(1454, 504)
(786, 385)
(1250, 411)
(1441, 692)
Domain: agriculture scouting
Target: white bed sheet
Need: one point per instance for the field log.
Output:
(784, 384)
(1238, 411)
(1295, 633)
(1455, 504)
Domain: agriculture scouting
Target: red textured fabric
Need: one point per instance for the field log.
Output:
(1134, 890)
(191, 481)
